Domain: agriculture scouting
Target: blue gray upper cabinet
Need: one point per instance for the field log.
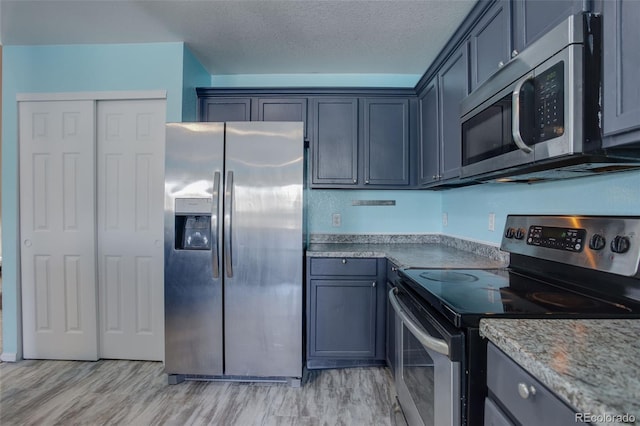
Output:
(386, 141)
(621, 85)
(453, 81)
(429, 165)
(440, 151)
(226, 109)
(335, 141)
(490, 42)
(533, 18)
(283, 109)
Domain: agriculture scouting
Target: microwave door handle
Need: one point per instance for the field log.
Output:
(423, 337)
(515, 114)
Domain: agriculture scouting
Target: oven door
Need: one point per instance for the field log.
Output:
(428, 378)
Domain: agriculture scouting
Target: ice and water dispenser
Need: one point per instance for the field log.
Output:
(193, 224)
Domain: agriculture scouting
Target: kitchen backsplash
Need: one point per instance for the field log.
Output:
(468, 209)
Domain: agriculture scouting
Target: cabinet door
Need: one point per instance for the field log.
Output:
(490, 42)
(454, 86)
(226, 109)
(283, 109)
(343, 319)
(621, 33)
(335, 141)
(386, 141)
(429, 130)
(533, 18)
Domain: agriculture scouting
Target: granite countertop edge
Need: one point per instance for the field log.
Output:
(515, 338)
(397, 247)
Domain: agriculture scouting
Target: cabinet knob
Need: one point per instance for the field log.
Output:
(526, 391)
(514, 53)
(355, 181)
(366, 181)
(374, 284)
(344, 261)
(394, 269)
(500, 64)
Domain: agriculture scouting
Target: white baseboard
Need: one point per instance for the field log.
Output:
(8, 357)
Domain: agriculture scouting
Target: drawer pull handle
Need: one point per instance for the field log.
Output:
(344, 261)
(526, 391)
(374, 284)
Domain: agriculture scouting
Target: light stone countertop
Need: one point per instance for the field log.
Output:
(593, 365)
(415, 252)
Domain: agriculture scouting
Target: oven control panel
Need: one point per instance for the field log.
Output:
(605, 243)
(570, 239)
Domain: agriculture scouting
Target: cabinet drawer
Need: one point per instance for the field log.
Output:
(344, 266)
(540, 407)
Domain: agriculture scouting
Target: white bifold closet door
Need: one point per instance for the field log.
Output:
(91, 223)
(57, 229)
(131, 229)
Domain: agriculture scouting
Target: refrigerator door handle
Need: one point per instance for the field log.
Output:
(228, 209)
(215, 255)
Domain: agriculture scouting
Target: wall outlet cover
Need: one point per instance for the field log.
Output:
(445, 219)
(336, 220)
(492, 221)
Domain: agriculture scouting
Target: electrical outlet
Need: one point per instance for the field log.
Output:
(336, 220)
(445, 219)
(492, 221)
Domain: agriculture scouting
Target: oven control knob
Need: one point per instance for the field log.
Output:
(509, 233)
(620, 244)
(520, 233)
(597, 242)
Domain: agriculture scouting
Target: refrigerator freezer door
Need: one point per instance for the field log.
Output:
(193, 284)
(263, 297)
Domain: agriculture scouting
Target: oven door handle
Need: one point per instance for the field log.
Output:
(422, 335)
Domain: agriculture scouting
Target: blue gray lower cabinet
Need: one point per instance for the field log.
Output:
(516, 397)
(346, 312)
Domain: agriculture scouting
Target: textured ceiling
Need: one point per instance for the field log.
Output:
(252, 37)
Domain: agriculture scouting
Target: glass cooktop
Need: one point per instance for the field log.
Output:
(477, 293)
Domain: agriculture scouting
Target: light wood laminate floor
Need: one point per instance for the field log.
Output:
(136, 393)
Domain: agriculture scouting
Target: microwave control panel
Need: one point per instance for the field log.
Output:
(549, 103)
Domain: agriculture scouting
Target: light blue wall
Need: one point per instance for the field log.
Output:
(39, 69)
(468, 208)
(316, 80)
(194, 75)
(415, 212)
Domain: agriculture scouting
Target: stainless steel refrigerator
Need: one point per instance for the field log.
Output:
(233, 250)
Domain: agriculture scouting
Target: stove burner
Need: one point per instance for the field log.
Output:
(448, 276)
(560, 300)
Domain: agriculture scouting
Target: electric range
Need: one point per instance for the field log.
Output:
(581, 267)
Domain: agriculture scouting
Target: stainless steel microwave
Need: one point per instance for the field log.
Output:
(541, 107)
